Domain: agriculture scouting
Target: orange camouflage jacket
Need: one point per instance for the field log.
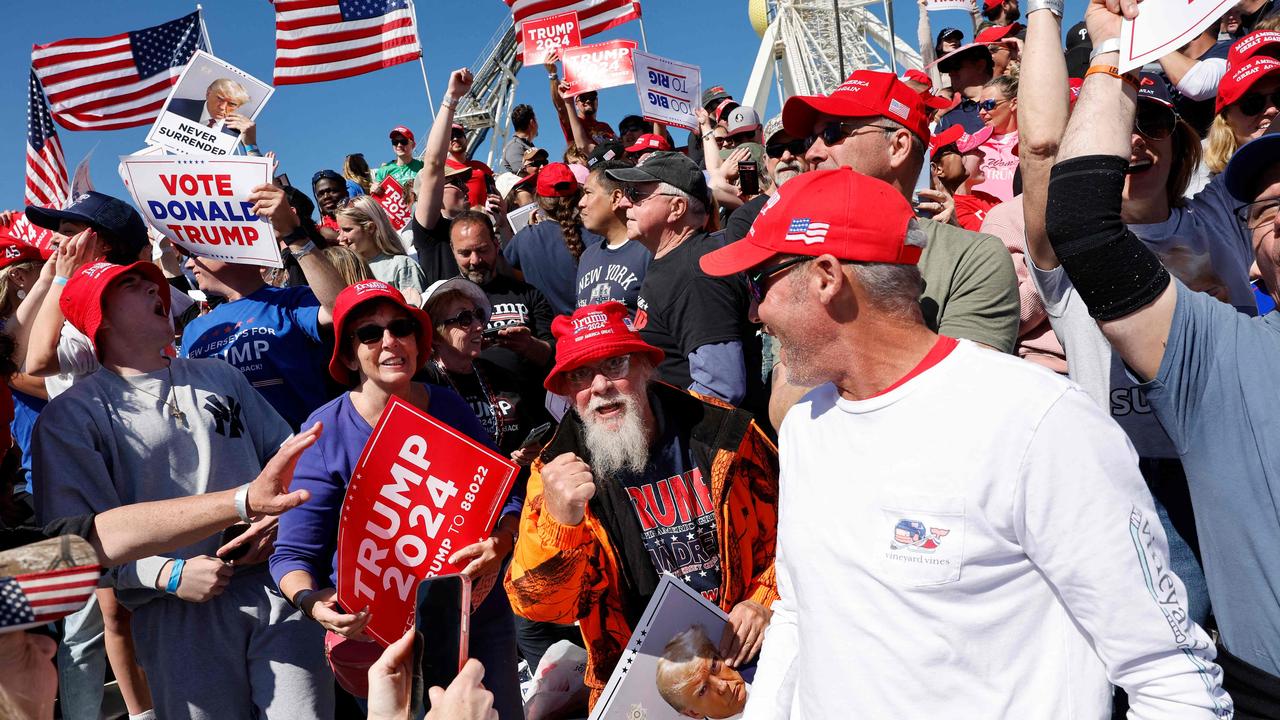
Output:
(563, 574)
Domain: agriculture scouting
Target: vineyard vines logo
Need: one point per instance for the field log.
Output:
(912, 535)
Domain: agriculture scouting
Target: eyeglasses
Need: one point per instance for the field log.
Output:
(1155, 120)
(1253, 103)
(398, 141)
(372, 333)
(466, 318)
(461, 188)
(1258, 213)
(777, 150)
(835, 132)
(989, 105)
(756, 280)
(635, 196)
(614, 368)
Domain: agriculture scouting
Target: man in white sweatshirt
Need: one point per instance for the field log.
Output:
(961, 533)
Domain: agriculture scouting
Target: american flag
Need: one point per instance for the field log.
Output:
(47, 184)
(807, 230)
(594, 16)
(119, 81)
(320, 40)
(42, 597)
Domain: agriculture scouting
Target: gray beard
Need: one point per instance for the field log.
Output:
(624, 448)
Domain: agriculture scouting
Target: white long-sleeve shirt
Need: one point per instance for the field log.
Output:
(976, 543)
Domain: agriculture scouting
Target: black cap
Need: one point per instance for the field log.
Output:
(1153, 87)
(1078, 35)
(949, 34)
(609, 150)
(713, 95)
(326, 175)
(115, 220)
(632, 122)
(673, 168)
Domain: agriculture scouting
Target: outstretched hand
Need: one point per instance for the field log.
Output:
(269, 492)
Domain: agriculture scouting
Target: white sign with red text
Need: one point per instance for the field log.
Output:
(1163, 26)
(669, 91)
(936, 5)
(202, 204)
(598, 66)
(539, 38)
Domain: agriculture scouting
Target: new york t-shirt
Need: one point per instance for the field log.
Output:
(616, 273)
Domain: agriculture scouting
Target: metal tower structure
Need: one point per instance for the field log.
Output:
(807, 47)
(488, 105)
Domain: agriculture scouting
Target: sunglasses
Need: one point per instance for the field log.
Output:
(756, 281)
(1154, 120)
(835, 132)
(1254, 103)
(777, 150)
(399, 328)
(615, 368)
(398, 141)
(989, 105)
(633, 194)
(466, 318)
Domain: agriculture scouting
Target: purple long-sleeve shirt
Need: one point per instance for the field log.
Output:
(308, 534)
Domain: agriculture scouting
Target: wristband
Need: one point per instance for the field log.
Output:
(298, 597)
(1114, 72)
(59, 280)
(448, 102)
(296, 234)
(250, 148)
(242, 503)
(303, 251)
(175, 576)
(1106, 46)
(552, 76)
(1053, 6)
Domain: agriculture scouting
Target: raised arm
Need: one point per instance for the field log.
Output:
(580, 137)
(269, 201)
(1042, 118)
(924, 35)
(1122, 282)
(42, 343)
(431, 193)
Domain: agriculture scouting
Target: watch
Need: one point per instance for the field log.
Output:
(303, 251)
(1109, 45)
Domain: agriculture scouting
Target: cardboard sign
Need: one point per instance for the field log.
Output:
(209, 91)
(539, 38)
(669, 91)
(390, 195)
(420, 492)
(24, 232)
(202, 204)
(519, 218)
(594, 67)
(936, 5)
(675, 608)
(1163, 26)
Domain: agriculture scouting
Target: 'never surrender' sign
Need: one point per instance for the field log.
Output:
(420, 492)
(202, 204)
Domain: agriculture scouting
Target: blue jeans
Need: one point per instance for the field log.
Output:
(82, 663)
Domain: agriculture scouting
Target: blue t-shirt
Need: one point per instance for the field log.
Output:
(26, 409)
(273, 337)
(1215, 395)
(538, 251)
(964, 114)
(606, 273)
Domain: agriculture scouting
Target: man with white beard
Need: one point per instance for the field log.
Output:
(642, 479)
(784, 159)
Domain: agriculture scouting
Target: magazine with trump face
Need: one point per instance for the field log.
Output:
(672, 667)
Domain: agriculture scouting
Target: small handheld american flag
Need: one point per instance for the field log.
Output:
(45, 581)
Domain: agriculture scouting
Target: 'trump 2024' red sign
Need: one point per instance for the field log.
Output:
(420, 492)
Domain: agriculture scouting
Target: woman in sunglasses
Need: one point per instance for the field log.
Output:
(998, 109)
(364, 227)
(380, 344)
(1247, 102)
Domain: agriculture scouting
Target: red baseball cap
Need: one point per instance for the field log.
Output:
(1073, 90)
(1241, 78)
(919, 76)
(81, 301)
(867, 93)
(402, 130)
(997, 33)
(991, 4)
(12, 252)
(649, 142)
(556, 180)
(1255, 43)
(837, 212)
(367, 291)
(945, 138)
(592, 333)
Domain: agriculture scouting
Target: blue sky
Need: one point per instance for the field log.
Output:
(314, 126)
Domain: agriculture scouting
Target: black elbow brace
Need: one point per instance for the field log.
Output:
(1112, 270)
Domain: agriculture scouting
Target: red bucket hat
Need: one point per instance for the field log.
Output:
(867, 93)
(837, 212)
(81, 301)
(556, 180)
(363, 292)
(593, 333)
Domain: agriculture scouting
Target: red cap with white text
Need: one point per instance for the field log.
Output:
(594, 333)
(867, 93)
(1240, 79)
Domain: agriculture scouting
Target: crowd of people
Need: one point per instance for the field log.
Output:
(948, 389)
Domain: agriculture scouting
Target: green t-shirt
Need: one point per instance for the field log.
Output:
(404, 174)
(970, 289)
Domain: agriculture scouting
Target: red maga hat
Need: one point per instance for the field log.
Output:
(591, 334)
(13, 252)
(945, 138)
(361, 293)
(648, 143)
(919, 76)
(867, 93)
(402, 130)
(997, 33)
(1262, 42)
(1241, 78)
(836, 212)
(556, 180)
(81, 300)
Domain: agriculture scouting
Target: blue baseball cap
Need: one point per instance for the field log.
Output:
(1250, 162)
(115, 220)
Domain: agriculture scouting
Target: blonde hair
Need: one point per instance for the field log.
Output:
(672, 676)
(351, 267)
(369, 215)
(9, 289)
(230, 88)
(1221, 146)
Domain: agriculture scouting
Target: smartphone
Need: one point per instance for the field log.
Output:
(443, 623)
(230, 534)
(490, 334)
(536, 436)
(749, 177)
(282, 180)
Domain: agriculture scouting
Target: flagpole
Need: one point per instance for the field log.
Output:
(421, 64)
(644, 41)
(204, 31)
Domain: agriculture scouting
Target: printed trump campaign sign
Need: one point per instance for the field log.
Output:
(390, 195)
(202, 204)
(594, 67)
(420, 492)
(668, 90)
(207, 108)
(540, 38)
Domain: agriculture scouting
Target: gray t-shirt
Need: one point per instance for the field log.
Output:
(1215, 393)
(513, 154)
(106, 442)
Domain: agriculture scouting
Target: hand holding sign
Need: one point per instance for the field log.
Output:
(322, 606)
(270, 202)
(1162, 27)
